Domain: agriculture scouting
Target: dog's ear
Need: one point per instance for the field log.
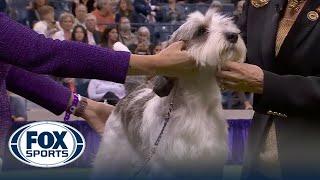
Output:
(163, 85)
(187, 29)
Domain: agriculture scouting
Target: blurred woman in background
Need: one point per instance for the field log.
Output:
(143, 47)
(33, 11)
(79, 34)
(90, 4)
(47, 26)
(66, 21)
(126, 9)
(109, 37)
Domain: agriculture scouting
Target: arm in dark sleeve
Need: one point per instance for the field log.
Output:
(289, 94)
(40, 89)
(22, 47)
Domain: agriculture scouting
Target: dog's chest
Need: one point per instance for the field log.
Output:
(190, 135)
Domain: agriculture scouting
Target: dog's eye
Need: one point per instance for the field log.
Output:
(201, 31)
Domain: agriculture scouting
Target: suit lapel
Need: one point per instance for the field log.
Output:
(270, 31)
(300, 29)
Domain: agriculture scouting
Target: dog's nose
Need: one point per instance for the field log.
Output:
(231, 37)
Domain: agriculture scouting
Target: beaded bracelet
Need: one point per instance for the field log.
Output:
(72, 108)
(81, 106)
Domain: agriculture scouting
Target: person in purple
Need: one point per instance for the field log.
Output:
(20, 47)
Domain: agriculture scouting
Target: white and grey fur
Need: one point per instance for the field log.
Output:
(195, 139)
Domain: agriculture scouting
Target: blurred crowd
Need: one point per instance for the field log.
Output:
(142, 26)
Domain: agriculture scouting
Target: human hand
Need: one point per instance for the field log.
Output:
(241, 77)
(96, 114)
(174, 61)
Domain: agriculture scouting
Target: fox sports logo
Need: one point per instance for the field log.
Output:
(47, 144)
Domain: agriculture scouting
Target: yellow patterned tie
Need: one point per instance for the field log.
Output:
(285, 25)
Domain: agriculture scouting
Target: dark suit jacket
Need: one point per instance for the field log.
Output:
(291, 87)
(97, 37)
(31, 18)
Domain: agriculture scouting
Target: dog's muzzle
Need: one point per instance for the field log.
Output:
(231, 37)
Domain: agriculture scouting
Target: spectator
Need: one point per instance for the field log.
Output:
(47, 26)
(94, 36)
(66, 21)
(79, 34)
(32, 11)
(125, 9)
(104, 14)
(216, 5)
(109, 37)
(90, 4)
(125, 35)
(81, 13)
(172, 12)
(106, 91)
(146, 12)
(157, 49)
(143, 46)
(114, 5)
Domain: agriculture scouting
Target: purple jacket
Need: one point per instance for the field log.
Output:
(22, 47)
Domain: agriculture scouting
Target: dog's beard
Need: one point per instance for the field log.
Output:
(230, 53)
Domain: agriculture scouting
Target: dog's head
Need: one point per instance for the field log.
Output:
(211, 39)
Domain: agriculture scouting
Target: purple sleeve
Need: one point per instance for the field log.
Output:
(40, 89)
(22, 47)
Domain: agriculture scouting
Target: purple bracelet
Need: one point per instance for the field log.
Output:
(72, 108)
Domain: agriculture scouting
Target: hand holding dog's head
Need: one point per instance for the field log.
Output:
(211, 39)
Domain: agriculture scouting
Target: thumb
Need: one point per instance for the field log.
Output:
(229, 66)
(178, 45)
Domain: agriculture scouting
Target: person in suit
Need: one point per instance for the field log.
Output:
(32, 11)
(282, 69)
(94, 36)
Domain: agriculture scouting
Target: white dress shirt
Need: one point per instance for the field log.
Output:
(59, 35)
(91, 40)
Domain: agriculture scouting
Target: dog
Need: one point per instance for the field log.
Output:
(188, 124)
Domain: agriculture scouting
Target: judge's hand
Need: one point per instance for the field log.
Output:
(175, 61)
(241, 77)
(172, 61)
(96, 114)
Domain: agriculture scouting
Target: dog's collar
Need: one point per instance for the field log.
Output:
(157, 142)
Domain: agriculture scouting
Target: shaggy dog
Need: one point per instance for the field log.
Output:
(194, 139)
